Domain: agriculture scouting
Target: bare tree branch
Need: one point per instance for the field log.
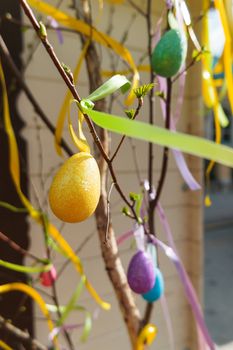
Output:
(23, 337)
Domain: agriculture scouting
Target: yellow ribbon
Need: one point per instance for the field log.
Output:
(10, 287)
(4, 346)
(13, 149)
(100, 37)
(66, 102)
(116, 2)
(227, 52)
(80, 142)
(210, 96)
(212, 163)
(229, 14)
(140, 68)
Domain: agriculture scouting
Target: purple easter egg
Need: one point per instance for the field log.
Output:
(141, 273)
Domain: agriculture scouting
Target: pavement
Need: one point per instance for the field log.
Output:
(218, 274)
(221, 212)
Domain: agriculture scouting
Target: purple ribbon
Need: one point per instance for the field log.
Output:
(168, 321)
(171, 252)
(179, 158)
(55, 25)
(188, 288)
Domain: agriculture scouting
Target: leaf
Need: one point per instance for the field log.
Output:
(143, 90)
(109, 87)
(130, 113)
(186, 143)
(137, 198)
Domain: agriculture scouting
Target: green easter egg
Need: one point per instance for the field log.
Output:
(169, 54)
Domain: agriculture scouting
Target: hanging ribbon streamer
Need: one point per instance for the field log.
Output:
(168, 321)
(188, 287)
(179, 158)
(79, 141)
(212, 163)
(53, 23)
(211, 96)
(13, 150)
(227, 52)
(66, 102)
(229, 14)
(5, 346)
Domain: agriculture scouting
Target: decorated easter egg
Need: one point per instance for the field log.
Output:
(141, 273)
(169, 54)
(157, 290)
(75, 189)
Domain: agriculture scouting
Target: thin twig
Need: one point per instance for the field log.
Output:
(17, 247)
(140, 104)
(77, 251)
(137, 8)
(166, 149)
(108, 211)
(191, 63)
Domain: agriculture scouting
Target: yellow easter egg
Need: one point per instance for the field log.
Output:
(75, 189)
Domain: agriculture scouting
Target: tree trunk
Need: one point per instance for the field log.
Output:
(113, 264)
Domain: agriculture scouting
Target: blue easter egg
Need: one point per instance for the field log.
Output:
(157, 291)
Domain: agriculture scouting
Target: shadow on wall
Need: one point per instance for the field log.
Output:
(13, 225)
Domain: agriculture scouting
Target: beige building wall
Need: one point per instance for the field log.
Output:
(183, 208)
